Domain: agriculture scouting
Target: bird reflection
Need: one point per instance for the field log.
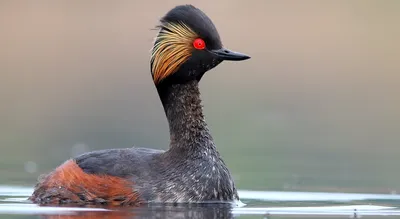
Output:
(175, 212)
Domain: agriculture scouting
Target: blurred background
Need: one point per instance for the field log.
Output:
(315, 109)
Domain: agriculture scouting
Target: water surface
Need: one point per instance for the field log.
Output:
(256, 204)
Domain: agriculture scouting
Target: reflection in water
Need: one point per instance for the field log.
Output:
(13, 203)
(90, 215)
(178, 212)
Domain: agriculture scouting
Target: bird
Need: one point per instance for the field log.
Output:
(191, 170)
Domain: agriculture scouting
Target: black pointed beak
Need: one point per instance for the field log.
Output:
(226, 54)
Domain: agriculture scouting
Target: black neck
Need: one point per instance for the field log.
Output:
(187, 126)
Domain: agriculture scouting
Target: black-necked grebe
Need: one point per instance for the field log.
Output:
(191, 170)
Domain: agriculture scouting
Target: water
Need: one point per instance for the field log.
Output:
(256, 204)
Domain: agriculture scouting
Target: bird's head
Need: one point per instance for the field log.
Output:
(187, 45)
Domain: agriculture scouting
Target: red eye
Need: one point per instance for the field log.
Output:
(199, 44)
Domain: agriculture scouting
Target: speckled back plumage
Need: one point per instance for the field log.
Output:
(190, 171)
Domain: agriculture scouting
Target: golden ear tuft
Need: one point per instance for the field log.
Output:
(172, 48)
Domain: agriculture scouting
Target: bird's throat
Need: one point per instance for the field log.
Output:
(187, 126)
